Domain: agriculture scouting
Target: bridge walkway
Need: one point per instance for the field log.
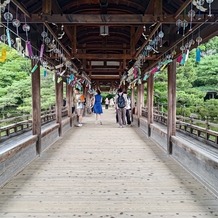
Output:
(104, 171)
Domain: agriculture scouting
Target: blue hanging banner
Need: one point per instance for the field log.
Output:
(198, 55)
(45, 73)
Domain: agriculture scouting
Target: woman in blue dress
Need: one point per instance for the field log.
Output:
(97, 108)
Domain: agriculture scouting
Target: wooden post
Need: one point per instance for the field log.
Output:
(171, 121)
(69, 103)
(59, 102)
(150, 102)
(132, 102)
(36, 105)
(140, 99)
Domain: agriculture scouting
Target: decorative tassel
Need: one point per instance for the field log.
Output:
(162, 68)
(179, 59)
(9, 37)
(41, 51)
(154, 70)
(71, 77)
(3, 57)
(187, 54)
(45, 73)
(29, 49)
(59, 80)
(18, 45)
(146, 76)
(183, 59)
(198, 55)
(34, 68)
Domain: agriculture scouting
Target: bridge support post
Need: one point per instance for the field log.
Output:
(150, 102)
(171, 121)
(59, 102)
(36, 105)
(69, 104)
(132, 102)
(140, 101)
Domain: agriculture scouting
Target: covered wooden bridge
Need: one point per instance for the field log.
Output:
(149, 170)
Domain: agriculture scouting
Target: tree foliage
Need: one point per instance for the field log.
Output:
(15, 85)
(193, 82)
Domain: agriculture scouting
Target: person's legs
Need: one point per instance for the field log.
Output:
(123, 116)
(128, 117)
(119, 114)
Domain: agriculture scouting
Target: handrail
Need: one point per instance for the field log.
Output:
(192, 130)
(16, 128)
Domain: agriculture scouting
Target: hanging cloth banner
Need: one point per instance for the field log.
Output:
(19, 47)
(198, 55)
(29, 49)
(179, 59)
(9, 37)
(4, 55)
(135, 72)
(146, 76)
(42, 51)
(45, 73)
(183, 59)
(154, 70)
(34, 68)
(59, 80)
(187, 55)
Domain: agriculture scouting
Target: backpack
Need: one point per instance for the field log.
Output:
(121, 101)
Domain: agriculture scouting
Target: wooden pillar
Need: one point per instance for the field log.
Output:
(59, 102)
(132, 102)
(36, 106)
(69, 103)
(140, 99)
(171, 121)
(150, 102)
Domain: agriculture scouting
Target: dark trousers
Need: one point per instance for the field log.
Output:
(128, 119)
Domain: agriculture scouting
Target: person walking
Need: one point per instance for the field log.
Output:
(79, 101)
(97, 108)
(128, 110)
(120, 104)
(106, 103)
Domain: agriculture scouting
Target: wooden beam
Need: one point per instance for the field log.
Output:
(182, 8)
(158, 10)
(132, 40)
(111, 19)
(36, 105)
(148, 39)
(106, 77)
(47, 7)
(74, 41)
(21, 8)
(103, 56)
(57, 10)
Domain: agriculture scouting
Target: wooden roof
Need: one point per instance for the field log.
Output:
(132, 25)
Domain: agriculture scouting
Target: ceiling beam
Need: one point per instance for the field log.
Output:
(106, 77)
(182, 8)
(21, 8)
(110, 19)
(103, 56)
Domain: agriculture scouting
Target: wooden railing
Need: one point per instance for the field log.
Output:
(13, 126)
(189, 128)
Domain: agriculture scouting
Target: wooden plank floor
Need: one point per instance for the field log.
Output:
(105, 171)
